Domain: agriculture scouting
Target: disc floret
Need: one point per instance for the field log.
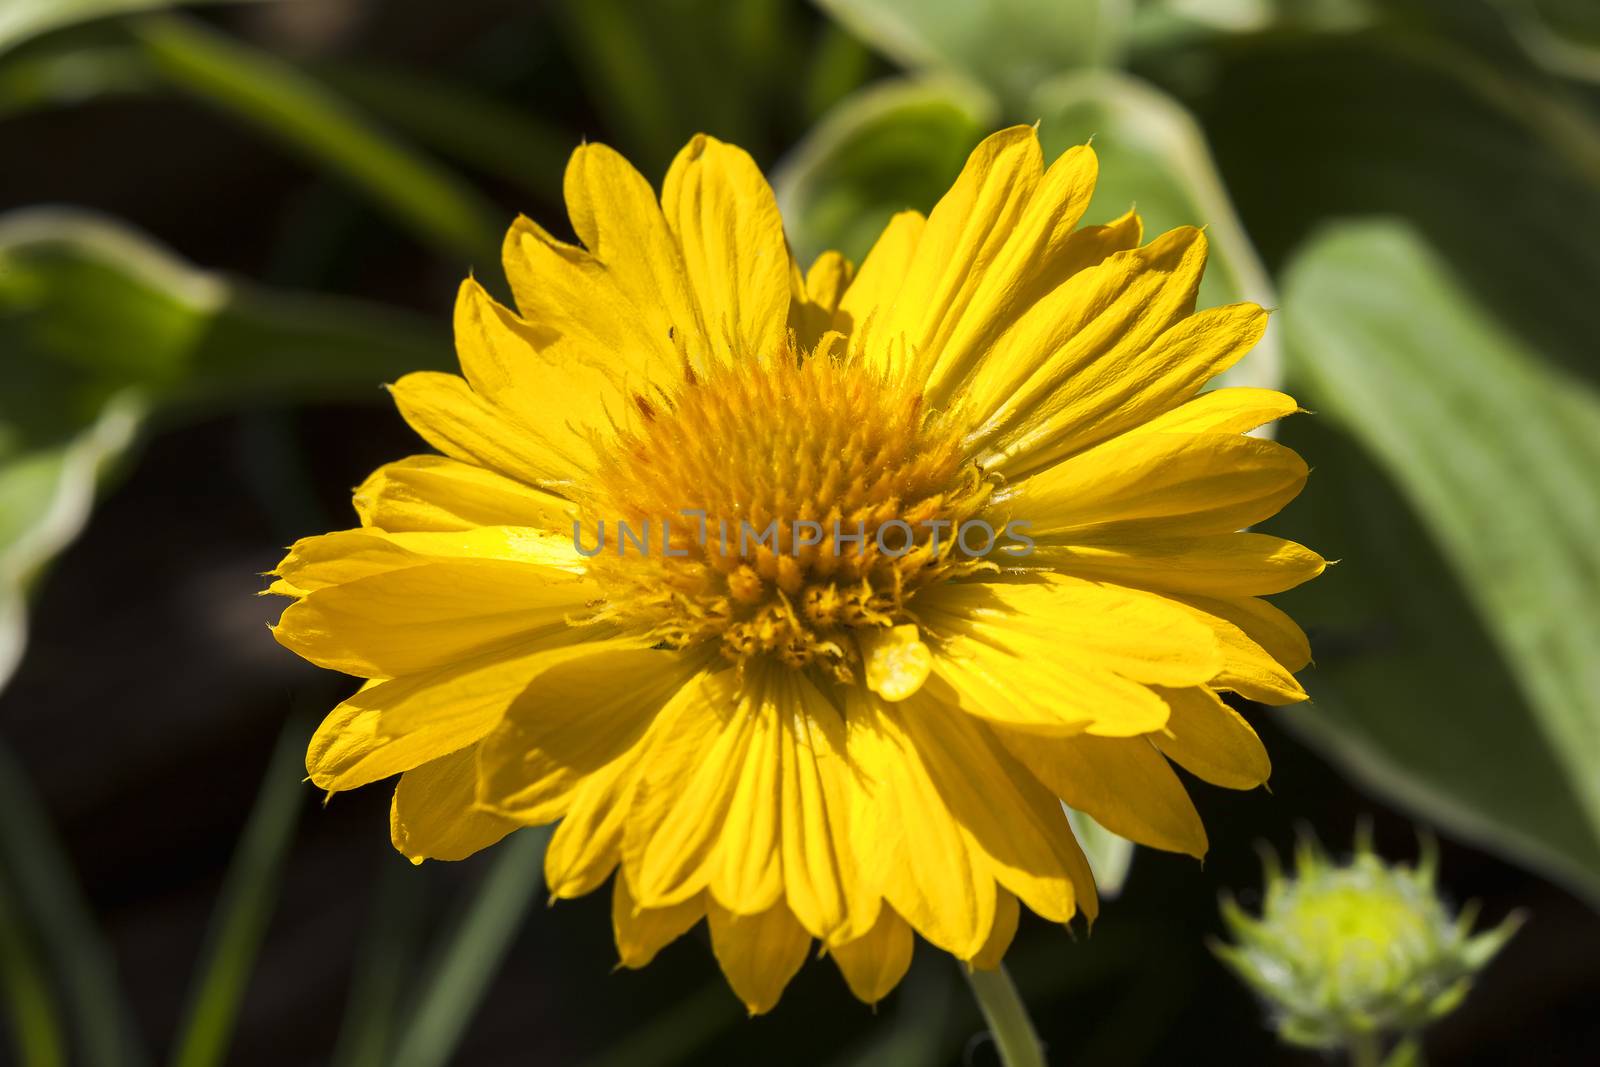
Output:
(789, 502)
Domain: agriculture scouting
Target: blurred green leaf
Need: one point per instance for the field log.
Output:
(63, 76)
(46, 494)
(839, 65)
(249, 895)
(658, 73)
(1008, 46)
(35, 1021)
(387, 956)
(677, 1034)
(1184, 24)
(1153, 156)
(98, 324)
(255, 86)
(1562, 35)
(1109, 856)
(1495, 449)
(473, 129)
(23, 19)
(1418, 136)
(46, 893)
(479, 131)
(890, 147)
(454, 983)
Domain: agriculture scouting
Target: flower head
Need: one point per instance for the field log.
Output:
(1343, 951)
(802, 599)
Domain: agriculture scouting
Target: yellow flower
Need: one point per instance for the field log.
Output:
(835, 728)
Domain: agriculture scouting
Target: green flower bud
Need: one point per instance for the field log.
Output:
(1344, 952)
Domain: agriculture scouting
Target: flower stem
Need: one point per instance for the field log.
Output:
(1007, 1017)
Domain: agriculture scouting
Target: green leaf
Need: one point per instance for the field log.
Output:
(46, 494)
(456, 979)
(1495, 449)
(890, 147)
(99, 325)
(35, 1020)
(386, 958)
(24, 19)
(660, 72)
(249, 894)
(1109, 855)
(44, 891)
(294, 108)
(471, 128)
(1154, 157)
(1562, 35)
(61, 75)
(479, 131)
(1008, 46)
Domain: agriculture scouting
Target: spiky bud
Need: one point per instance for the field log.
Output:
(1345, 951)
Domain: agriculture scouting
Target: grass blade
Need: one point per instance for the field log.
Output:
(47, 893)
(461, 972)
(35, 1020)
(300, 112)
(387, 956)
(248, 895)
(470, 127)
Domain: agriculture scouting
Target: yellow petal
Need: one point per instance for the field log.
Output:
(1006, 816)
(1037, 256)
(1169, 484)
(815, 300)
(432, 818)
(346, 556)
(1092, 245)
(1261, 648)
(758, 953)
(578, 713)
(907, 842)
(1236, 409)
(616, 216)
(722, 212)
(1006, 914)
(748, 873)
(874, 963)
(1063, 655)
(820, 880)
(401, 723)
(440, 493)
(1211, 741)
(331, 559)
(1265, 625)
(584, 316)
(569, 404)
(587, 843)
(1216, 565)
(968, 227)
(1083, 362)
(444, 410)
(872, 294)
(698, 754)
(1123, 782)
(641, 932)
(429, 616)
(1127, 386)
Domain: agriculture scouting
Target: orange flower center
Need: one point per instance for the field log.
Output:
(777, 504)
